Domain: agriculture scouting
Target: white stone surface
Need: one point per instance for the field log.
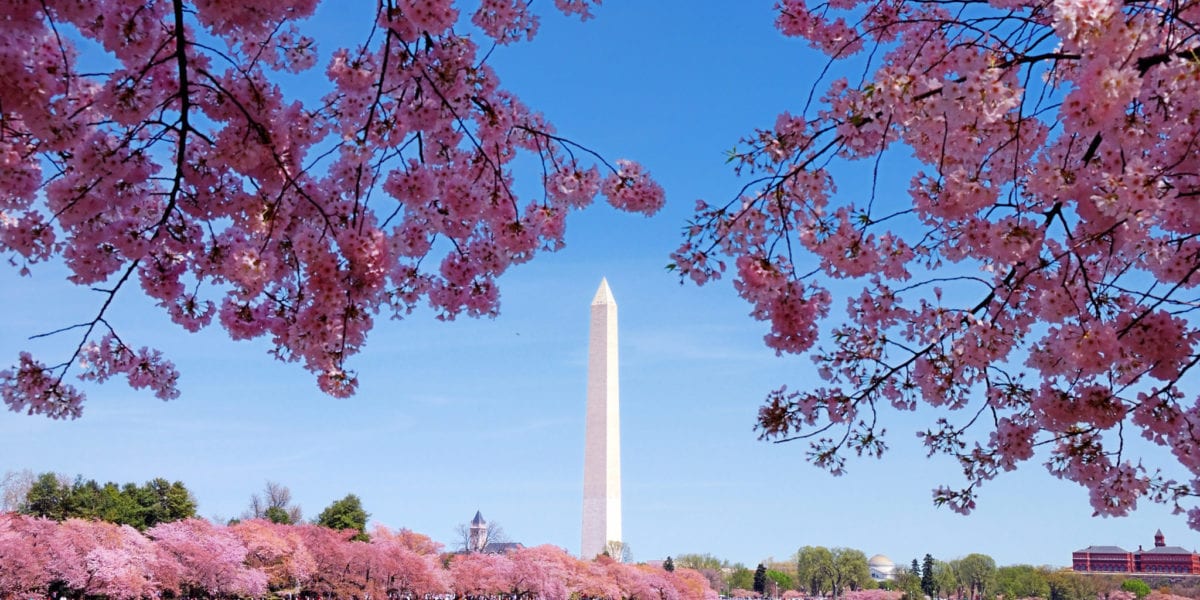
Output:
(602, 438)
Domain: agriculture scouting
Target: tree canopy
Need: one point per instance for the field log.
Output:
(157, 501)
(347, 513)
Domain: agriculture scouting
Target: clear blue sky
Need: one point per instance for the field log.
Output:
(488, 415)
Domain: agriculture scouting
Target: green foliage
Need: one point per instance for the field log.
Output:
(909, 584)
(760, 579)
(278, 515)
(1068, 585)
(142, 507)
(850, 570)
(945, 580)
(780, 579)
(346, 513)
(48, 498)
(976, 574)
(1137, 586)
(928, 584)
(1022, 581)
(813, 567)
(700, 561)
(741, 578)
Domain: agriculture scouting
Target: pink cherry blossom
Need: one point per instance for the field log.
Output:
(1034, 283)
(187, 169)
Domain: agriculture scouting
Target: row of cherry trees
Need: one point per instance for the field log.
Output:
(194, 558)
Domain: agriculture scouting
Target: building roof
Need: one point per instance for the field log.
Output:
(478, 520)
(502, 547)
(880, 561)
(1104, 550)
(1165, 550)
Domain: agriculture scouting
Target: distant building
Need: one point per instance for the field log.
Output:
(1159, 559)
(477, 539)
(881, 567)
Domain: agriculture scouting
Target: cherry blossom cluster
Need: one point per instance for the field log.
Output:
(187, 167)
(256, 557)
(1034, 283)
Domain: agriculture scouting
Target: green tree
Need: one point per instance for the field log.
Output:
(814, 566)
(48, 497)
(275, 514)
(915, 569)
(161, 501)
(740, 578)
(850, 570)
(669, 565)
(1022, 581)
(976, 574)
(944, 578)
(1137, 586)
(928, 585)
(779, 582)
(909, 584)
(760, 579)
(700, 561)
(1067, 585)
(346, 513)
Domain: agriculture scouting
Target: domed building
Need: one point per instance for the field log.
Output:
(882, 568)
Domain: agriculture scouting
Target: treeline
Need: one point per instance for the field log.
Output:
(817, 571)
(193, 558)
(139, 506)
(57, 497)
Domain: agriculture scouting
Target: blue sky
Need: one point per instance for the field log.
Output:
(488, 414)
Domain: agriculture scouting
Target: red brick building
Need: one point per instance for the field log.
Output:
(1159, 559)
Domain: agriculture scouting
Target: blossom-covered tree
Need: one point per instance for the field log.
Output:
(25, 553)
(1035, 282)
(193, 557)
(172, 158)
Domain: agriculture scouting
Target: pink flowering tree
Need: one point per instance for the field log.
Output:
(25, 552)
(277, 551)
(480, 575)
(1035, 282)
(876, 594)
(199, 558)
(178, 163)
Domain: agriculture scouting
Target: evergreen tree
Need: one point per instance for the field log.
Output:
(928, 585)
(669, 565)
(760, 579)
(916, 568)
(346, 513)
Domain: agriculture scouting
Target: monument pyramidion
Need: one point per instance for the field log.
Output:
(602, 438)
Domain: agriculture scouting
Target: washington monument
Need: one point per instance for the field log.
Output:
(602, 441)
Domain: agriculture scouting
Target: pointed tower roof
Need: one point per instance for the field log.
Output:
(603, 294)
(478, 520)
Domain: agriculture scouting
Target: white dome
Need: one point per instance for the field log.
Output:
(880, 561)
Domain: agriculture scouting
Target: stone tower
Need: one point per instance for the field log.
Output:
(602, 440)
(477, 538)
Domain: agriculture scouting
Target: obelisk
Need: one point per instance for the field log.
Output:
(602, 437)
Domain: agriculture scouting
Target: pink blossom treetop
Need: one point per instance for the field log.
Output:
(876, 594)
(25, 553)
(1035, 282)
(277, 550)
(692, 584)
(539, 572)
(196, 555)
(181, 165)
(476, 574)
